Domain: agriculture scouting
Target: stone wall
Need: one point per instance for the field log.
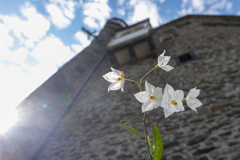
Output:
(91, 130)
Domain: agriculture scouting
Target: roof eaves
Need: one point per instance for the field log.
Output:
(195, 17)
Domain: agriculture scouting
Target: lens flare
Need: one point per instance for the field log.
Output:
(7, 118)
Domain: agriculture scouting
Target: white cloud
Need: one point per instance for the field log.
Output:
(61, 12)
(67, 6)
(28, 43)
(204, 6)
(76, 48)
(57, 17)
(99, 10)
(121, 11)
(4, 51)
(33, 28)
(36, 26)
(120, 2)
(220, 5)
(89, 21)
(143, 10)
(229, 6)
(18, 56)
(82, 39)
(238, 13)
(161, 1)
(5, 38)
(52, 51)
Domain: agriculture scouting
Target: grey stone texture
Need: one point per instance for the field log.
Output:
(91, 128)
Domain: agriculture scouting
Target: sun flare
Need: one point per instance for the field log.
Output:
(7, 118)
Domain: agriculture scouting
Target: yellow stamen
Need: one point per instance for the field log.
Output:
(174, 102)
(122, 74)
(153, 97)
(119, 79)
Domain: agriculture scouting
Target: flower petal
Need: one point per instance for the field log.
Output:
(168, 92)
(163, 53)
(111, 77)
(178, 95)
(197, 103)
(168, 110)
(165, 101)
(149, 88)
(165, 60)
(122, 84)
(142, 96)
(160, 60)
(194, 92)
(149, 105)
(159, 96)
(167, 68)
(116, 71)
(193, 103)
(114, 86)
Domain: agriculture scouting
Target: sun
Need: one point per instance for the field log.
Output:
(8, 117)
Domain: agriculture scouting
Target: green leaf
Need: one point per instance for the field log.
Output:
(150, 145)
(133, 131)
(149, 141)
(158, 151)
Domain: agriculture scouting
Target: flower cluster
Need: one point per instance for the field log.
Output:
(171, 101)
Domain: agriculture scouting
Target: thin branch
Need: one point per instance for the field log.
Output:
(145, 129)
(148, 73)
(130, 80)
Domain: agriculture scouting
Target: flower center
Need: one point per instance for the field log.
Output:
(173, 102)
(120, 78)
(152, 97)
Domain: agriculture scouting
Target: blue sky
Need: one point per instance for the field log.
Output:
(39, 36)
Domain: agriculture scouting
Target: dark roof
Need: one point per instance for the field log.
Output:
(112, 20)
(197, 17)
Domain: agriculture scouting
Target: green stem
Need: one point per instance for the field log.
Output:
(145, 129)
(148, 73)
(130, 80)
(135, 82)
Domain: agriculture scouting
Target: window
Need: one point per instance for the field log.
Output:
(142, 49)
(186, 57)
(123, 56)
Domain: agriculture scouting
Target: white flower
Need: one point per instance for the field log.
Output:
(172, 101)
(151, 98)
(163, 61)
(116, 78)
(191, 99)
